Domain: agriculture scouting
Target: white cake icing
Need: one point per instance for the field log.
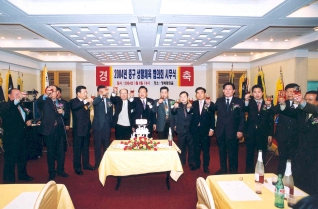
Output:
(141, 130)
(141, 121)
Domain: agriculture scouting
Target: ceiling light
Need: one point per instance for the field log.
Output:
(102, 29)
(19, 37)
(315, 28)
(179, 32)
(135, 34)
(113, 44)
(66, 29)
(256, 39)
(110, 40)
(84, 29)
(166, 44)
(218, 36)
(127, 44)
(185, 36)
(208, 30)
(226, 31)
(235, 55)
(189, 29)
(123, 35)
(202, 36)
(172, 29)
(251, 53)
(3, 38)
(126, 39)
(74, 36)
(271, 39)
(96, 31)
(121, 29)
(90, 35)
(107, 35)
(167, 40)
(183, 45)
(286, 39)
(84, 38)
(169, 35)
(214, 33)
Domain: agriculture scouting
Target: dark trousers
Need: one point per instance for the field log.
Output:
(101, 142)
(185, 141)
(15, 153)
(55, 150)
(228, 148)
(164, 134)
(201, 141)
(286, 150)
(122, 132)
(255, 141)
(80, 151)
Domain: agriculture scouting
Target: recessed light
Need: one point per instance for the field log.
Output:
(315, 28)
(90, 35)
(189, 29)
(84, 29)
(96, 31)
(235, 55)
(224, 55)
(256, 39)
(66, 29)
(19, 37)
(103, 29)
(3, 38)
(172, 29)
(78, 32)
(218, 36)
(226, 31)
(251, 53)
(121, 29)
(208, 30)
(286, 39)
(84, 38)
(271, 39)
(74, 36)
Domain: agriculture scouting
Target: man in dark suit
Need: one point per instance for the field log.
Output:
(102, 122)
(259, 126)
(80, 107)
(286, 132)
(143, 106)
(229, 127)
(124, 110)
(67, 112)
(183, 115)
(164, 119)
(202, 127)
(53, 129)
(14, 122)
(307, 161)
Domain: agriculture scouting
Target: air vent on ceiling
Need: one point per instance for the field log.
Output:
(146, 19)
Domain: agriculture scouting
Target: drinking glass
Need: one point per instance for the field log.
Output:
(93, 96)
(132, 91)
(291, 200)
(191, 100)
(297, 90)
(281, 94)
(207, 96)
(258, 187)
(274, 179)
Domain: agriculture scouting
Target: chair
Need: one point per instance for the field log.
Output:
(47, 197)
(205, 199)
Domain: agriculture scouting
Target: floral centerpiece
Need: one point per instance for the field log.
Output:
(140, 143)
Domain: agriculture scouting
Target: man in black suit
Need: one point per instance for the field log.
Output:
(143, 106)
(183, 115)
(286, 132)
(14, 122)
(67, 112)
(102, 122)
(229, 127)
(164, 119)
(124, 110)
(202, 127)
(80, 107)
(53, 129)
(259, 126)
(307, 161)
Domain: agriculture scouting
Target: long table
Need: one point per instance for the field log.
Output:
(8, 192)
(267, 198)
(120, 162)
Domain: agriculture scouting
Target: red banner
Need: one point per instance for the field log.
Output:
(186, 76)
(104, 75)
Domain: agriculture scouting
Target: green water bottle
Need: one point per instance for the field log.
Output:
(279, 193)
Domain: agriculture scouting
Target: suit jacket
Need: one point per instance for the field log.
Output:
(118, 102)
(286, 127)
(231, 122)
(81, 117)
(160, 115)
(182, 121)
(310, 108)
(49, 116)
(67, 112)
(12, 123)
(308, 129)
(206, 119)
(258, 121)
(99, 114)
(140, 112)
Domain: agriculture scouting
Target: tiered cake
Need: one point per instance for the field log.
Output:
(141, 130)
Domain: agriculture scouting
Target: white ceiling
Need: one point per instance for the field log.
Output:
(156, 32)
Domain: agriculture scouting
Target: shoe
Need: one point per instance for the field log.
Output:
(88, 167)
(63, 174)
(8, 181)
(51, 177)
(206, 170)
(194, 167)
(221, 171)
(79, 172)
(233, 172)
(26, 178)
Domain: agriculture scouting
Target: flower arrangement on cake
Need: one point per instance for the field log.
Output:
(140, 143)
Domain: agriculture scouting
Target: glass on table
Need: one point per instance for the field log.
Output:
(291, 200)
(258, 187)
(274, 179)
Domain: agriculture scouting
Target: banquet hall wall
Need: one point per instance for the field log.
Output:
(298, 66)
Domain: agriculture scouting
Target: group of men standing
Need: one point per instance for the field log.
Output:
(192, 121)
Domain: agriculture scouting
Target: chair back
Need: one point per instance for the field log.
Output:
(47, 197)
(205, 199)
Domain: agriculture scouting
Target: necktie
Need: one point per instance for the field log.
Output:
(166, 109)
(227, 105)
(105, 106)
(54, 105)
(201, 105)
(144, 103)
(20, 110)
(259, 106)
(185, 111)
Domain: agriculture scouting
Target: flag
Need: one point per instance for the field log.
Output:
(1, 90)
(45, 80)
(231, 76)
(20, 83)
(279, 86)
(9, 84)
(243, 85)
(260, 80)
